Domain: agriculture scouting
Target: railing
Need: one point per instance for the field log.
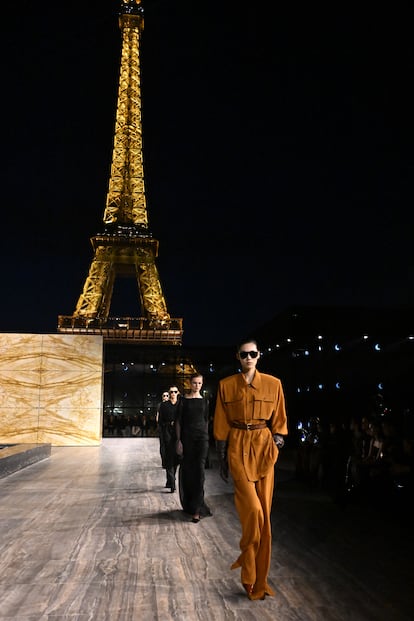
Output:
(137, 329)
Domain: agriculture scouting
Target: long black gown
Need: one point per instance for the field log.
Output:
(193, 417)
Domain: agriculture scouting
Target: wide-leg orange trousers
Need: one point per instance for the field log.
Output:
(253, 502)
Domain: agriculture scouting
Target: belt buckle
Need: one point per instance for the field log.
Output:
(248, 425)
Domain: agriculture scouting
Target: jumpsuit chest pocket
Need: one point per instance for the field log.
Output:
(260, 406)
(235, 407)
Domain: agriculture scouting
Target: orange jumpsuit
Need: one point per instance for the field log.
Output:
(251, 456)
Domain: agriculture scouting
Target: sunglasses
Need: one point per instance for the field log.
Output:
(243, 354)
(173, 390)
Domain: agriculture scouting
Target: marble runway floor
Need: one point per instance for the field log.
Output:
(92, 534)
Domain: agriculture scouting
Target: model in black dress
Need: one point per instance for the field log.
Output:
(192, 445)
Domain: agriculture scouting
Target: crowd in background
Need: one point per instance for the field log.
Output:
(366, 456)
(130, 426)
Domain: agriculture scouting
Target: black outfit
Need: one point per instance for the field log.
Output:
(166, 422)
(193, 416)
(161, 437)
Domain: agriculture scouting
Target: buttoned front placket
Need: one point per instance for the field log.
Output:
(248, 402)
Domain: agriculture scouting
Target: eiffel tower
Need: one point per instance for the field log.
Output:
(125, 248)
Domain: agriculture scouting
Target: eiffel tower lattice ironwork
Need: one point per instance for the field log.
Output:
(125, 248)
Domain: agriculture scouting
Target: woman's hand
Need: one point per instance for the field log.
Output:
(179, 448)
(279, 440)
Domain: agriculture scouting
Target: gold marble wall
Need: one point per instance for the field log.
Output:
(51, 389)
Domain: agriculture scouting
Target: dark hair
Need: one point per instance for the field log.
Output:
(247, 340)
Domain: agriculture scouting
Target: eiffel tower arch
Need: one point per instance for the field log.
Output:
(143, 353)
(125, 248)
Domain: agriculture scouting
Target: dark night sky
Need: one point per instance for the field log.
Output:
(278, 150)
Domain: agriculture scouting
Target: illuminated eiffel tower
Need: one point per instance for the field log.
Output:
(125, 248)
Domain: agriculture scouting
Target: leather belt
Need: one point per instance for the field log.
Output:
(248, 426)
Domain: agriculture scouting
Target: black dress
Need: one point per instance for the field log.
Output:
(193, 415)
(166, 420)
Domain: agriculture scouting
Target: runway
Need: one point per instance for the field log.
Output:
(92, 534)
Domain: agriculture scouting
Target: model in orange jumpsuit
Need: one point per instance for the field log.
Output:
(249, 424)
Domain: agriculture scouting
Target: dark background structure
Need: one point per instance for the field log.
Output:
(278, 154)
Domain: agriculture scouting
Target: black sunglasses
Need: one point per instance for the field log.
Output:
(244, 354)
(173, 390)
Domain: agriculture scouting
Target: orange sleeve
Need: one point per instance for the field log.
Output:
(221, 427)
(279, 418)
